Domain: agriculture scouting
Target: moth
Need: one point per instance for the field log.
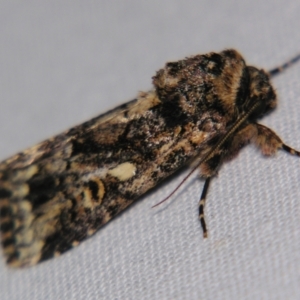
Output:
(201, 110)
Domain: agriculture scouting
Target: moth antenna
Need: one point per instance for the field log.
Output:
(284, 66)
(179, 185)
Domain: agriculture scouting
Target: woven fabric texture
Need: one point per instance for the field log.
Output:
(63, 62)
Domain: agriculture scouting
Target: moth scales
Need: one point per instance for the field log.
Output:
(202, 110)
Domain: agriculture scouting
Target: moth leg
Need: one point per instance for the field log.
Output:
(208, 169)
(201, 206)
(290, 150)
(261, 136)
(269, 142)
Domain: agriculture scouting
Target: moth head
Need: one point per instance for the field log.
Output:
(260, 91)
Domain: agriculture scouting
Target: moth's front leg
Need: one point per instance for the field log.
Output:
(228, 151)
(269, 142)
(263, 137)
(260, 135)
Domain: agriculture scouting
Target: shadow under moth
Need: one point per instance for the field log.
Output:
(202, 110)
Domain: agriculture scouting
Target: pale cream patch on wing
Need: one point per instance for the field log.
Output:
(75, 243)
(21, 191)
(91, 231)
(198, 137)
(55, 166)
(145, 101)
(101, 190)
(27, 173)
(123, 171)
(29, 255)
(47, 222)
(96, 173)
(33, 231)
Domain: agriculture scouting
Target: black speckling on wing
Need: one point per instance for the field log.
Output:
(59, 192)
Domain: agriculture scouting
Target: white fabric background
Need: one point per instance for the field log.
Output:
(62, 62)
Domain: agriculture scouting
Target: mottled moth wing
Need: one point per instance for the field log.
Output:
(59, 192)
